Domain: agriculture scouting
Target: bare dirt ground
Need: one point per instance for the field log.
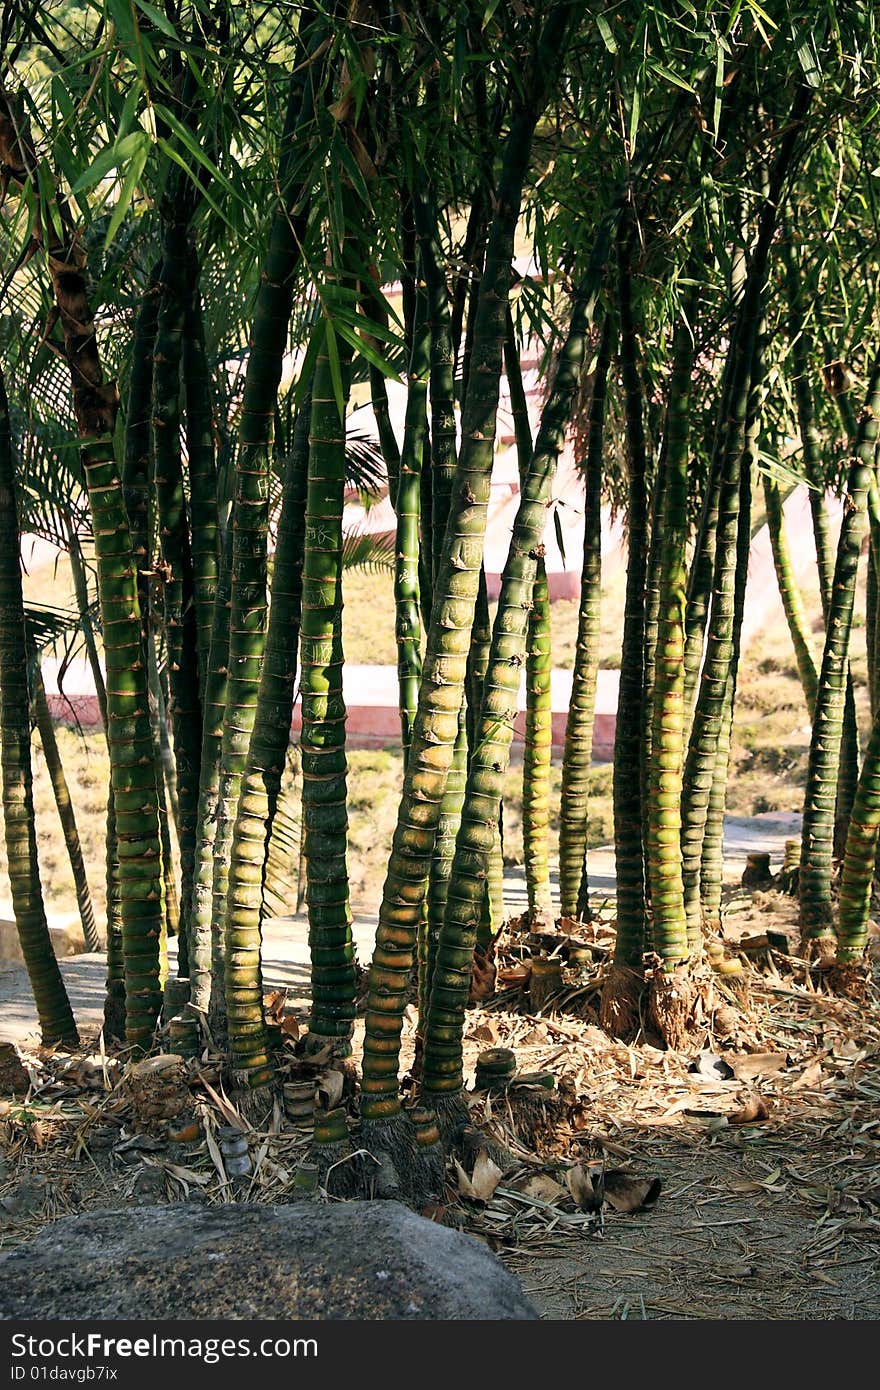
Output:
(754, 1156)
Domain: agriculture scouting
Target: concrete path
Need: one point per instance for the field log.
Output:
(286, 941)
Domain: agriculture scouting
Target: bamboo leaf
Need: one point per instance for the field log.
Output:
(605, 33)
(560, 538)
(46, 186)
(126, 193)
(669, 76)
(332, 350)
(109, 159)
(366, 349)
(806, 55)
(156, 17)
(719, 88)
(188, 140)
(635, 111)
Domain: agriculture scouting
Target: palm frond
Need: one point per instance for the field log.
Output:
(368, 552)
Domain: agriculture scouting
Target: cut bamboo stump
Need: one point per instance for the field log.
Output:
(183, 1035)
(545, 980)
(495, 1069)
(791, 864)
(757, 873)
(176, 996)
(299, 1103)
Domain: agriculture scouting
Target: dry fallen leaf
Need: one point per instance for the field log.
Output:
(810, 1076)
(585, 1182)
(849, 1050)
(485, 1032)
(754, 1110)
(628, 1194)
(330, 1089)
(482, 1182)
(38, 1133)
(188, 1174)
(216, 1156)
(483, 974)
(273, 1005)
(542, 1186)
(226, 1108)
(748, 1065)
(579, 1116)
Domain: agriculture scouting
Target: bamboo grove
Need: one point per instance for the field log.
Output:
(221, 226)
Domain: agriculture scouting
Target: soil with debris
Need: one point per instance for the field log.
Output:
(738, 1179)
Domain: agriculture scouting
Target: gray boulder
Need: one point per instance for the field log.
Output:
(307, 1261)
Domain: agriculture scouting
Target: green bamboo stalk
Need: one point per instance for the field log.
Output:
(408, 627)
(712, 855)
(250, 525)
(158, 684)
(164, 757)
(136, 491)
(200, 449)
(261, 781)
(114, 1004)
(702, 570)
(442, 383)
(66, 813)
(133, 766)
(137, 456)
(493, 917)
(114, 1000)
(425, 569)
(627, 786)
(816, 917)
(789, 592)
(871, 597)
(860, 857)
(201, 945)
(442, 1062)
(539, 706)
(668, 701)
(441, 868)
(652, 623)
(811, 444)
(81, 592)
(578, 752)
(537, 753)
(50, 995)
(702, 753)
(478, 663)
(442, 475)
(181, 634)
(436, 726)
(132, 763)
(324, 765)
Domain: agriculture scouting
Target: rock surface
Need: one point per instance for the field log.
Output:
(307, 1261)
